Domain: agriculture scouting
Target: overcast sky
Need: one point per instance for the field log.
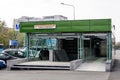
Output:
(84, 9)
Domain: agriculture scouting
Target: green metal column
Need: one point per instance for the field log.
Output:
(109, 46)
(27, 45)
(78, 45)
(81, 46)
(90, 48)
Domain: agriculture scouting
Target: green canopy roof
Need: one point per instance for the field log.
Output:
(91, 25)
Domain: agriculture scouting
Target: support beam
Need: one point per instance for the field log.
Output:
(27, 45)
(81, 46)
(109, 46)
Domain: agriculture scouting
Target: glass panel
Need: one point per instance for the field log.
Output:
(95, 46)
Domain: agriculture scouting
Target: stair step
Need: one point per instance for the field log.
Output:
(37, 68)
(43, 66)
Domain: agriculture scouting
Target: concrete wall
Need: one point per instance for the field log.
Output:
(109, 65)
(75, 64)
(13, 62)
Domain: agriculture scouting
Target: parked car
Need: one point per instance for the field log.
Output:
(15, 53)
(23, 49)
(2, 64)
(32, 52)
(4, 56)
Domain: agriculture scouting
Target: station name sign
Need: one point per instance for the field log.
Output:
(48, 26)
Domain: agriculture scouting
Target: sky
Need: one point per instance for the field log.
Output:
(84, 9)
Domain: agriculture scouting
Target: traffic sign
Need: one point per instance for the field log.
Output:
(17, 27)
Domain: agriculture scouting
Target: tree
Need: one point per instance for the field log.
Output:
(3, 33)
(7, 34)
(16, 35)
(20, 37)
(117, 46)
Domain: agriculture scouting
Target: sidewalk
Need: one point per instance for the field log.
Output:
(115, 74)
(53, 75)
(95, 65)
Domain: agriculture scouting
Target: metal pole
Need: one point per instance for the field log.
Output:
(73, 9)
(81, 47)
(27, 45)
(109, 46)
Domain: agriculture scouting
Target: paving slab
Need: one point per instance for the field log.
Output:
(53, 75)
(95, 65)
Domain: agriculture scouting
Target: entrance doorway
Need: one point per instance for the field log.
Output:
(95, 46)
(70, 47)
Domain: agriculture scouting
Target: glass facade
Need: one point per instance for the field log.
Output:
(85, 46)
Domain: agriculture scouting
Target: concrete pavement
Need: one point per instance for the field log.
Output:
(53, 75)
(115, 75)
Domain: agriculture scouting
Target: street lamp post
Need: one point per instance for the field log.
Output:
(73, 9)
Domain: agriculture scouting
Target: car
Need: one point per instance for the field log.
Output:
(15, 53)
(4, 56)
(23, 49)
(32, 52)
(2, 64)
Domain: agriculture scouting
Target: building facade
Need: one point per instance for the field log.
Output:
(70, 40)
(54, 17)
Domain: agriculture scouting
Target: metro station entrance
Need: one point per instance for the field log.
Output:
(68, 40)
(95, 46)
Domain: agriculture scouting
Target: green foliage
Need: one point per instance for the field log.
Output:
(20, 37)
(3, 33)
(7, 34)
(117, 47)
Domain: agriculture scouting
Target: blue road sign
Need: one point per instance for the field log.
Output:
(13, 42)
(17, 27)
